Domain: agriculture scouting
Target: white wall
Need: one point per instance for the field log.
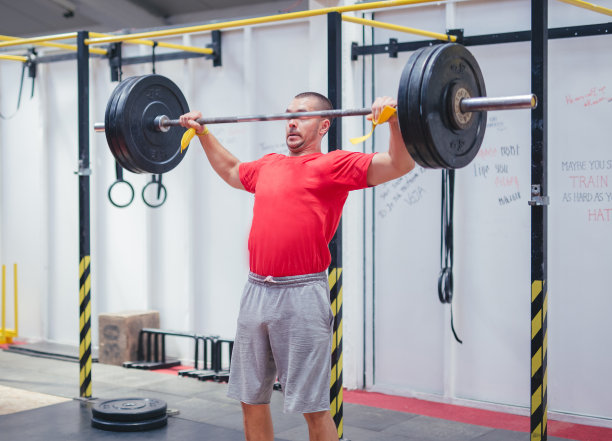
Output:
(410, 348)
(188, 259)
(580, 247)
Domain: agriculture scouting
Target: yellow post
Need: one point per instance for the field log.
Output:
(3, 340)
(15, 284)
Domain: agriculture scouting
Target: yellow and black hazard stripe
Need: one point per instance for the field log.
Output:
(85, 328)
(539, 358)
(335, 386)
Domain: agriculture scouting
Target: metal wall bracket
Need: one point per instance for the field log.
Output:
(393, 48)
(457, 33)
(216, 46)
(354, 51)
(31, 63)
(536, 198)
(83, 170)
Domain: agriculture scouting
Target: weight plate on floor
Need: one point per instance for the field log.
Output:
(148, 149)
(129, 426)
(452, 64)
(129, 409)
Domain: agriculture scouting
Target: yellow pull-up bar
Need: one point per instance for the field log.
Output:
(137, 38)
(258, 20)
(378, 24)
(70, 47)
(200, 50)
(44, 41)
(589, 6)
(14, 58)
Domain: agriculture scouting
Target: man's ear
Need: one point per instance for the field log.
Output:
(324, 127)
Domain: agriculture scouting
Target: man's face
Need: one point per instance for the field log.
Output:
(304, 135)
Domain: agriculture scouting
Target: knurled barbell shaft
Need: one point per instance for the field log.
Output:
(335, 113)
(478, 104)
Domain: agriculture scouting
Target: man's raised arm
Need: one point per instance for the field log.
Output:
(396, 161)
(221, 160)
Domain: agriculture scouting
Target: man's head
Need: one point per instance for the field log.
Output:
(304, 136)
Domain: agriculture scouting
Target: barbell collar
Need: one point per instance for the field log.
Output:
(161, 123)
(481, 104)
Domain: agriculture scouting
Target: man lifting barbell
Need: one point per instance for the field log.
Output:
(285, 321)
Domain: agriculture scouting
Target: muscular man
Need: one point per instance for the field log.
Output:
(285, 321)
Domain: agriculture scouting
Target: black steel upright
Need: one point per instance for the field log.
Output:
(334, 88)
(539, 220)
(84, 219)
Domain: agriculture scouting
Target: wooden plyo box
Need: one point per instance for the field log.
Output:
(118, 334)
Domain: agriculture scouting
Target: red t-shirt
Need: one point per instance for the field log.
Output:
(298, 204)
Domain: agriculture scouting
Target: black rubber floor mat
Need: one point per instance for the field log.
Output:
(71, 421)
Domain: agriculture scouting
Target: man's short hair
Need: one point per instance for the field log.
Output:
(322, 102)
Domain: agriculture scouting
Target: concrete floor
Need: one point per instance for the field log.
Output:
(204, 412)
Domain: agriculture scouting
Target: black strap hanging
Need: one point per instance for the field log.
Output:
(153, 56)
(445, 281)
(159, 185)
(119, 62)
(31, 65)
(114, 61)
(119, 180)
(118, 169)
(23, 69)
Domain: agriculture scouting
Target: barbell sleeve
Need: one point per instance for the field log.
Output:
(481, 104)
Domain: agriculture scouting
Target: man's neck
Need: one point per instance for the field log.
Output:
(306, 151)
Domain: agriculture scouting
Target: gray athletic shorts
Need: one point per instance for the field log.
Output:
(285, 328)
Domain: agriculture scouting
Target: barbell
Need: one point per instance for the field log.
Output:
(441, 107)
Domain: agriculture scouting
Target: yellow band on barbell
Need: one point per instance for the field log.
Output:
(384, 116)
(189, 134)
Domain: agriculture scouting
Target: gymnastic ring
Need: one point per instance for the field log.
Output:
(159, 191)
(110, 189)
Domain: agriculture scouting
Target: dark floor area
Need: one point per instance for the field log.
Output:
(201, 411)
